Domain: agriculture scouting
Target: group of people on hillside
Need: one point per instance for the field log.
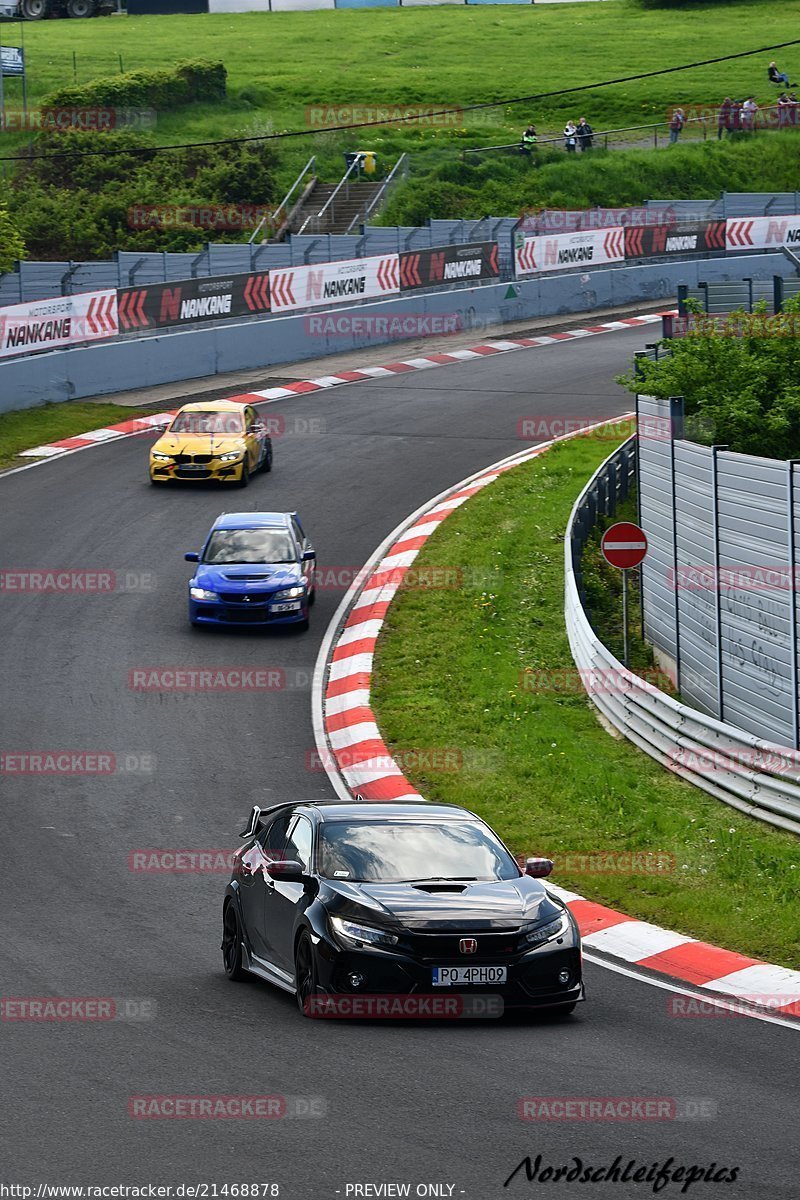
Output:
(734, 116)
(576, 137)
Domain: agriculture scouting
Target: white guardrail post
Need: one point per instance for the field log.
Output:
(757, 777)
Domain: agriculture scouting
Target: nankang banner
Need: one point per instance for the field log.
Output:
(660, 241)
(187, 301)
(473, 262)
(57, 323)
(342, 282)
(568, 251)
(762, 233)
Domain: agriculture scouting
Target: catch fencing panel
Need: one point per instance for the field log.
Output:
(719, 584)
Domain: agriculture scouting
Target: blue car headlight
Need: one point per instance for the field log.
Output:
(290, 593)
(353, 934)
(198, 593)
(538, 935)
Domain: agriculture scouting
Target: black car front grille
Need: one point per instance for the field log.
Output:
(494, 946)
(184, 474)
(193, 458)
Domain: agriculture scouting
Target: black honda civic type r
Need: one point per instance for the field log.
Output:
(330, 899)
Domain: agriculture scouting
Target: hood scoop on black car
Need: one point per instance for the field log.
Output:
(446, 886)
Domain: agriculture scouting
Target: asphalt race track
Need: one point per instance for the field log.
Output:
(406, 1103)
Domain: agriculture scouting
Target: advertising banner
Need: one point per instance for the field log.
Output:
(762, 233)
(471, 261)
(568, 251)
(54, 324)
(335, 282)
(663, 240)
(187, 301)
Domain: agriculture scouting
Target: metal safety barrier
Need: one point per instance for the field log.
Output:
(757, 777)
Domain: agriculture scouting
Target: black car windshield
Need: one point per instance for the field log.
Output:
(207, 422)
(390, 851)
(250, 546)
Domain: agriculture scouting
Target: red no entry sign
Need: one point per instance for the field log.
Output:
(624, 545)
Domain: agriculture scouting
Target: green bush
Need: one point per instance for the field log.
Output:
(78, 207)
(739, 391)
(185, 83)
(12, 246)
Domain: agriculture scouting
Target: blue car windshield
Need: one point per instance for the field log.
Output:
(390, 851)
(250, 546)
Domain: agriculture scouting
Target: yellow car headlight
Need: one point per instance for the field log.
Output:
(231, 456)
(158, 457)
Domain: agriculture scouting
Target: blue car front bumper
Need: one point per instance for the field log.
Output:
(237, 610)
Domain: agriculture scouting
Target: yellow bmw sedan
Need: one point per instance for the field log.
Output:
(212, 439)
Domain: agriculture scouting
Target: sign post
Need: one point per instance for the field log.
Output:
(624, 546)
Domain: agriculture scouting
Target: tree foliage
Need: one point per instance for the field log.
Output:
(740, 380)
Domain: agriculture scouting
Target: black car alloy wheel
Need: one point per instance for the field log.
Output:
(305, 975)
(232, 944)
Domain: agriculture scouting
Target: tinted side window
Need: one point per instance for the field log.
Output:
(298, 533)
(274, 837)
(300, 841)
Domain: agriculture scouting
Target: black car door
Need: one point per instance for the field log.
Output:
(285, 898)
(254, 883)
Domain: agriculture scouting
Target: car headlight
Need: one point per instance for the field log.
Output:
(290, 593)
(202, 594)
(542, 934)
(231, 456)
(354, 934)
(157, 457)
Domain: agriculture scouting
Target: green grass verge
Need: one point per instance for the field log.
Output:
(281, 64)
(31, 427)
(537, 764)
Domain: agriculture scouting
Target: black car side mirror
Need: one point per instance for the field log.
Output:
(286, 869)
(538, 867)
(308, 555)
(192, 556)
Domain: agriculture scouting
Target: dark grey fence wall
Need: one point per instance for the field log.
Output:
(718, 583)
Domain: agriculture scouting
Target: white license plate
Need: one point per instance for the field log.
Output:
(449, 976)
(289, 606)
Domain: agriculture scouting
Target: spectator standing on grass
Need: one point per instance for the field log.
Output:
(736, 116)
(749, 110)
(528, 142)
(676, 125)
(585, 134)
(570, 137)
(724, 117)
(792, 110)
(783, 106)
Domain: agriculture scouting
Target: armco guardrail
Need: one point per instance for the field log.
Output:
(757, 777)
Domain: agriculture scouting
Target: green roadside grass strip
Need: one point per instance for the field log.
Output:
(537, 764)
(30, 427)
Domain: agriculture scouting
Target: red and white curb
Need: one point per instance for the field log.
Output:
(357, 760)
(302, 387)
